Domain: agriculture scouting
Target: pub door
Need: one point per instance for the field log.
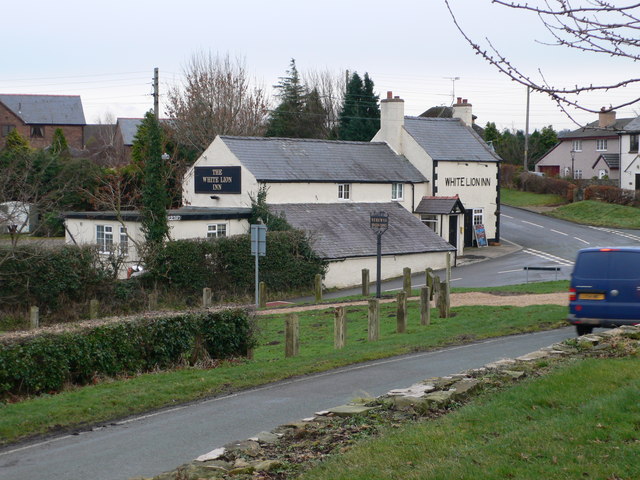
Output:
(468, 228)
(453, 230)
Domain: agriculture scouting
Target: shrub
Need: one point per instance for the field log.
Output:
(45, 363)
(609, 194)
(538, 184)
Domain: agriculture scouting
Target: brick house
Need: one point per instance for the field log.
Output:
(36, 117)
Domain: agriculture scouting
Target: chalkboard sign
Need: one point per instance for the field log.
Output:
(481, 235)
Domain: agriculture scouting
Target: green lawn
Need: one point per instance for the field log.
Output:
(517, 198)
(110, 399)
(592, 212)
(580, 421)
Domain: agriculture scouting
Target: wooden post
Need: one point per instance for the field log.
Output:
(318, 288)
(435, 293)
(34, 317)
(425, 306)
(153, 300)
(365, 282)
(206, 297)
(374, 319)
(291, 335)
(428, 281)
(401, 316)
(339, 329)
(443, 300)
(448, 270)
(93, 308)
(406, 281)
(262, 295)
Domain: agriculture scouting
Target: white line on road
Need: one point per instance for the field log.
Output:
(581, 240)
(615, 232)
(561, 233)
(506, 216)
(548, 256)
(511, 271)
(455, 279)
(530, 223)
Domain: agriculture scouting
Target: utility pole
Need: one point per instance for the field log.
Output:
(526, 136)
(156, 94)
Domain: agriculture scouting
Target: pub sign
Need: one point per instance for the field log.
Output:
(217, 180)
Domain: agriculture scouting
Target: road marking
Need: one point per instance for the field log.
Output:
(581, 240)
(630, 236)
(511, 271)
(506, 216)
(561, 233)
(548, 256)
(530, 223)
(456, 279)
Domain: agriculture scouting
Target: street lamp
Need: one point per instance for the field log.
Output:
(573, 160)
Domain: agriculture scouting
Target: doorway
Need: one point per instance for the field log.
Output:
(453, 230)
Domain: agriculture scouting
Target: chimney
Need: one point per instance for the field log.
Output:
(391, 122)
(462, 110)
(606, 118)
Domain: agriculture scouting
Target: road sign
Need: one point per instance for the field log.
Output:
(259, 240)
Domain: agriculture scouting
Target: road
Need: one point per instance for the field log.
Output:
(150, 444)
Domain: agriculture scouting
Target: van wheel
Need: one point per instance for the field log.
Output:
(584, 329)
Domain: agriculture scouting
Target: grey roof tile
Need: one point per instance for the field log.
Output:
(439, 205)
(340, 230)
(128, 128)
(592, 130)
(611, 159)
(633, 125)
(45, 109)
(448, 139)
(302, 160)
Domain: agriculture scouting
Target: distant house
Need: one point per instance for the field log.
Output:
(629, 158)
(588, 152)
(36, 117)
(126, 129)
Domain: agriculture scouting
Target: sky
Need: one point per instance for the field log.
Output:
(106, 52)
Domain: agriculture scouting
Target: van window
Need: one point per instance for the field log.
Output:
(624, 265)
(592, 265)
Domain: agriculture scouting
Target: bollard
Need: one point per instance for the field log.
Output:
(374, 319)
(93, 308)
(34, 317)
(339, 328)
(365, 282)
(318, 288)
(262, 295)
(206, 297)
(425, 306)
(401, 316)
(406, 281)
(291, 335)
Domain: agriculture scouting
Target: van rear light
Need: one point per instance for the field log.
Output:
(572, 294)
(608, 249)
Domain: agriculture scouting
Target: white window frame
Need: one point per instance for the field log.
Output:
(430, 221)
(344, 191)
(577, 174)
(124, 241)
(397, 191)
(601, 144)
(216, 230)
(577, 146)
(633, 143)
(478, 216)
(104, 238)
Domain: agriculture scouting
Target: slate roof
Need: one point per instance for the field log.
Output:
(448, 139)
(45, 109)
(611, 159)
(439, 205)
(339, 230)
(592, 130)
(633, 125)
(128, 128)
(186, 213)
(309, 160)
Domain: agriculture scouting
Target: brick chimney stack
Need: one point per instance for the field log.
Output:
(606, 118)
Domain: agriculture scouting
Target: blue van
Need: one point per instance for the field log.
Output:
(605, 288)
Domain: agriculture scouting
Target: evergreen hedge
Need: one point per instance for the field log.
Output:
(45, 363)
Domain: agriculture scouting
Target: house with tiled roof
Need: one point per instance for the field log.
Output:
(36, 117)
(629, 158)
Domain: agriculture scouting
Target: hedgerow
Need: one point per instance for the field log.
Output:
(48, 362)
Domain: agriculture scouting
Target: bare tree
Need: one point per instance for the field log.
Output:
(591, 26)
(330, 87)
(102, 142)
(217, 97)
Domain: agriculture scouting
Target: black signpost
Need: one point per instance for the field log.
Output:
(379, 222)
(217, 180)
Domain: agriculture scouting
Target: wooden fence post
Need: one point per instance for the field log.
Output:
(406, 281)
(318, 288)
(34, 317)
(262, 294)
(401, 316)
(94, 304)
(374, 319)
(443, 300)
(153, 300)
(425, 306)
(292, 335)
(206, 297)
(339, 329)
(365, 282)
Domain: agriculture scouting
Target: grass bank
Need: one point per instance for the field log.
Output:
(579, 421)
(116, 398)
(517, 198)
(592, 212)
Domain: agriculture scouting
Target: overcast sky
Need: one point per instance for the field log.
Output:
(106, 51)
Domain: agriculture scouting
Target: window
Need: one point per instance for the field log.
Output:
(478, 216)
(124, 241)
(633, 143)
(397, 191)
(601, 145)
(430, 221)
(577, 146)
(344, 191)
(577, 173)
(6, 129)
(104, 238)
(217, 230)
(37, 131)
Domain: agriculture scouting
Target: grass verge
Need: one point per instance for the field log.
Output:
(579, 421)
(118, 398)
(517, 198)
(592, 212)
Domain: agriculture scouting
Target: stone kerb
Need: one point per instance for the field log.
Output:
(434, 394)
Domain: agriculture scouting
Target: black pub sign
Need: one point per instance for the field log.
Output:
(217, 180)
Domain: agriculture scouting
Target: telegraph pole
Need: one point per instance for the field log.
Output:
(156, 94)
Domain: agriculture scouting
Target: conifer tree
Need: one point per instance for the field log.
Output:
(360, 115)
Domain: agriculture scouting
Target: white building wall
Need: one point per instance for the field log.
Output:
(629, 164)
(348, 272)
